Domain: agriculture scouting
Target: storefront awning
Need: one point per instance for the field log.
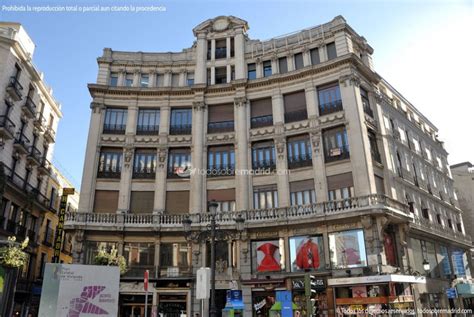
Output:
(397, 278)
(465, 290)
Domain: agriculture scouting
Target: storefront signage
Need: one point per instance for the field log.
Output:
(270, 234)
(451, 293)
(60, 229)
(376, 279)
(260, 304)
(458, 262)
(361, 300)
(234, 299)
(465, 289)
(342, 226)
(203, 280)
(297, 284)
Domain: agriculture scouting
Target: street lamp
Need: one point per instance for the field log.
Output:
(212, 233)
(426, 266)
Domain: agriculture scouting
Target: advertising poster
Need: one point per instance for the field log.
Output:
(79, 290)
(347, 248)
(307, 253)
(267, 255)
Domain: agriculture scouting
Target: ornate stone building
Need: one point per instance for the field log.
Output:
(333, 170)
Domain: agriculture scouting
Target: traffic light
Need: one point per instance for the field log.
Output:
(310, 285)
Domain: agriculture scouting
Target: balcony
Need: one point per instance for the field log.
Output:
(144, 174)
(297, 161)
(114, 128)
(221, 52)
(323, 211)
(34, 156)
(177, 171)
(222, 126)
(298, 115)
(40, 122)
(7, 128)
(337, 154)
(29, 108)
(369, 111)
(14, 88)
(330, 107)
(137, 271)
(261, 121)
(11, 226)
(21, 232)
(45, 166)
(109, 174)
(49, 134)
(221, 170)
(148, 129)
(21, 144)
(180, 129)
(376, 156)
(427, 226)
(264, 165)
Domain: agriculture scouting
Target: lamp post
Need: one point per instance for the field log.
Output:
(212, 233)
(426, 266)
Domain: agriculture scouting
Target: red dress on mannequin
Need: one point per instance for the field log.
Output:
(268, 263)
(307, 256)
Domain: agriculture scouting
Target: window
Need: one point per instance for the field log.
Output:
(52, 198)
(307, 253)
(267, 255)
(160, 80)
(128, 79)
(174, 80)
(267, 68)
(115, 121)
(208, 77)
(220, 161)
(142, 202)
(265, 197)
(221, 49)
(190, 79)
(139, 254)
(295, 106)
(329, 97)
(110, 163)
(299, 151)
(340, 187)
(365, 102)
(144, 164)
(261, 113)
(314, 53)
(374, 149)
(331, 50)
(283, 65)
(177, 202)
(443, 259)
(221, 255)
(299, 61)
(225, 199)
(251, 71)
(336, 146)
(347, 249)
(425, 213)
(148, 121)
(144, 80)
(459, 226)
(302, 193)
(174, 255)
(93, 248)
(113, 79)
(209, 50)
(179, 162)
(450, 223)
(43, 260)
(180, 121)
(221, 75)
(263, 155)
(220, 118)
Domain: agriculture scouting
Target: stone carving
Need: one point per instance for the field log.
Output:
(128, 155)
(366, 222)
(316, 142)
(240, 101)
(221, 266)
(352, 79)
(280, 146)
(162, 154)
(199, 106)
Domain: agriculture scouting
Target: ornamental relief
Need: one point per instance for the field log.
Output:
(113, 138)
(199, 106)
(297, 125)
(162, 156)
(179, 138)
(262, 131)
(331, 117)
(220, 137)
(127, 156)
(145, 139)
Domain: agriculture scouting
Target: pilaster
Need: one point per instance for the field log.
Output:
(282, 165)
(319, 168)
(239, 42)
(200, 75)
(198, 190)
(126, 179)
(241, 106)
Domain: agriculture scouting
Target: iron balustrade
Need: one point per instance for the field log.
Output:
(297, 115)
(330, 107)
(109, 174)
(261, 121)
(221, 170)
(35, 153)
(297, 161)
(148, 129)
(7, 125)
(144, 173)
(114, 128)
(369, 111)
(15, 85)
(30, 105)
(22, 140)
(264, 165)
(180, 129)
(432, 227)
(220, 52)
(337, 154)
(222, 126)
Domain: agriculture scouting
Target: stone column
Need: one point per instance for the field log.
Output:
(278, 108)
(241, 106)
(259, 68)
(159, 203)
(306, 57)
(311, 100)
(323, 53)
(167, 78)
(200, 73)
(121, 78)
(165, 113)
(213, 75)
(282, 165)
(228, 47)
(229, 73)
(182, 78)
(359, 147)
(275, 65)
(198, 190)
(290, 61)
(131, 127)
(153, 78)
(86, 202)
(136, 78)
(239, 42)
(126, 179)
(213, 49)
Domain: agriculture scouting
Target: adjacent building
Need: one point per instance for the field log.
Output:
(333, 170)
(29, 183)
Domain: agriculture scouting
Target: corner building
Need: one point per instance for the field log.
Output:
(354, 185)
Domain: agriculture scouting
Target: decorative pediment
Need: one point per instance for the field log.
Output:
(220, 24)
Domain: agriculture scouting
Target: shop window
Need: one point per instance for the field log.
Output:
(307, 253)
(347, 249)
(268, 256)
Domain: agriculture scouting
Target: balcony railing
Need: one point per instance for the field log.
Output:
(148, 129)
(261, 121)
(136, 271)
(21, 142)
(40, 121)
(297, 161)
(297, 115)
(253, 218)
(45, 165)
(109, 174)
(180, 129)
(144, 173)
(7, 127)
(369, 111)
(221, 52)
(49, 134)
(330, 107)
(221, 170)
(11, 226)
(376, 156)
(35, 154)
(30, 107)
(337, 154)
(444, 231)
(264, 165)
(15, 88)
(114, 128)
(222, 126)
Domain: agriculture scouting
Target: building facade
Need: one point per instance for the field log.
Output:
(29, 184)
(333, 170)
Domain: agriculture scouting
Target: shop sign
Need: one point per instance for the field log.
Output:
(451, 293)
(297, 284)
(344, 226)
(260, 304)
(465, 289)
(376, 279)
(234, 299)
(361, 301)
(401, 299)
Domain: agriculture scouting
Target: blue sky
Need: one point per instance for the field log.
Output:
(422, 48)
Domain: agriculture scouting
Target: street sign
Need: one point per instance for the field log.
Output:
(145, 280)
(58, 240)
(68, 191)
(451, 293)
(203, 281)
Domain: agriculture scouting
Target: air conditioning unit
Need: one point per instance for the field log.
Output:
(335, 151)
(172, 271)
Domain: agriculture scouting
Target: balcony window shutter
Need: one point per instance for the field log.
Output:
(221, 195)
(340, 181)
(331, 50)
(220, 113)
(142, 202)
(261, 107)
(299, 186)
(177, 202)
(379, 185)
(106, 201)
(283, 65)
(295, 101)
